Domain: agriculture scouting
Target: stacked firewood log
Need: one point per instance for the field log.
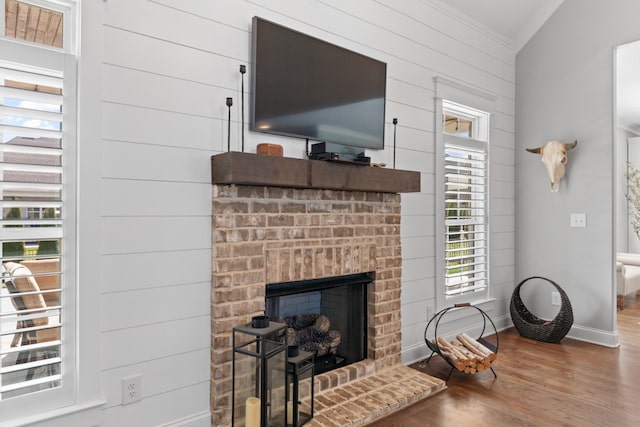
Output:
(466, 354)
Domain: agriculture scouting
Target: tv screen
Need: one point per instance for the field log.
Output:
(308, 88)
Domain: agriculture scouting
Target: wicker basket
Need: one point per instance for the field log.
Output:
(531, 326)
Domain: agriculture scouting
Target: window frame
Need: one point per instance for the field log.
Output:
(481, 256)
(66, 7)
(38, 58)
(89, 395)
(467, 102)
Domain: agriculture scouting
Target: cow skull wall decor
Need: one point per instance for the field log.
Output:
(554, 157)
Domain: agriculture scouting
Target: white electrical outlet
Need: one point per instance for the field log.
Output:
(578, 220)
(131, 389)
(555, 298)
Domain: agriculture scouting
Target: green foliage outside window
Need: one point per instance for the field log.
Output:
(49, 247)
(13, 249)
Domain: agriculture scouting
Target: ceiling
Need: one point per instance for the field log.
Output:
(514, 20)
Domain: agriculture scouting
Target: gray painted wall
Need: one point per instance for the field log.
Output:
(565, 91)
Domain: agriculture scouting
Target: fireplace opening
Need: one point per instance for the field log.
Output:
(326, 316)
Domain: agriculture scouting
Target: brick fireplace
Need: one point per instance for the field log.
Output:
(280, 220)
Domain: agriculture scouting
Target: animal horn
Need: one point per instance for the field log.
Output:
(535, 150)
(571, 145)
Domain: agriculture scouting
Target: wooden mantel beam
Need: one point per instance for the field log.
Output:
(255, 169)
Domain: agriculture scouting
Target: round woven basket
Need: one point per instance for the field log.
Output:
(531, 326)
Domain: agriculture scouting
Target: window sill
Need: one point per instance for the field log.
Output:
(86, 414)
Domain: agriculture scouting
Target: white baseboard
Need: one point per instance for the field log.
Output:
(202, 419)
(580, 333)
(595, 336)
(420, 351)
(414, 353)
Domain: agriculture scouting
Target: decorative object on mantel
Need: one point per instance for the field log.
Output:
(229, 104)
(554, 157)
(464, 353)
(395, 124)
(243, 69)
(633, 196)
(259, 392)
(531, 326)
(269, 149)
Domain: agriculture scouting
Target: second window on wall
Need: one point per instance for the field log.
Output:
(464, 194)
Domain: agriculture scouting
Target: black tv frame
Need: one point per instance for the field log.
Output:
(364, 69)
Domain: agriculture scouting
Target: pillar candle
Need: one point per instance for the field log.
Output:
(252, 415)
(290, 413)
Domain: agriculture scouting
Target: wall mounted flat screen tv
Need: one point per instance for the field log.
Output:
(308, 88)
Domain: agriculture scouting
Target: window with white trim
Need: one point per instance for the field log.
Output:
(37, 199)
(40, 22)
(464, 200)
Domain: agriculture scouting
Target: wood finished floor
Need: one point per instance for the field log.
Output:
(539, 384)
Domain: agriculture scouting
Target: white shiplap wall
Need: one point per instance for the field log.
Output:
(168, 66)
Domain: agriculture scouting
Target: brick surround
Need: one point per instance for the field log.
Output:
(264, 234)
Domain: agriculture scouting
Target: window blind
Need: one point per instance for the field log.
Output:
(466, 251)
(31, 197)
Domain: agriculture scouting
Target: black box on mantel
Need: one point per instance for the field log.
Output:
(329, 147)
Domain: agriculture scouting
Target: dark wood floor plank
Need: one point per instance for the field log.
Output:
(539, 384)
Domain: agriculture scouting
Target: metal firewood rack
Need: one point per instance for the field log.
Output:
(431, 338)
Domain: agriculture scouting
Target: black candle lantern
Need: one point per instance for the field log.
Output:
(259, 374)
(300, 373)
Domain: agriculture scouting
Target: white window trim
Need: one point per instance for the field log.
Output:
(463, 95)
(67, 7)
(85, 405)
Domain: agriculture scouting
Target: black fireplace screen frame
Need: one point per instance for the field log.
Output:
(310, 285)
